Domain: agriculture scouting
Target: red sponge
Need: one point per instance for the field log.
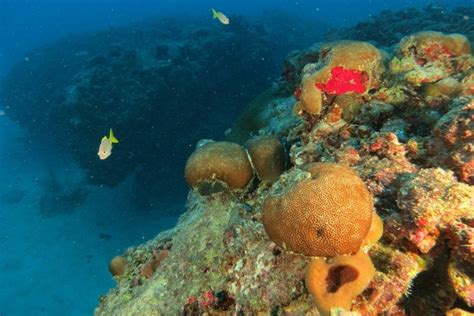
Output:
(343, 81)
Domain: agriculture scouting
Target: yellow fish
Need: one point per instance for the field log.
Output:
(221, 16)
(106, 144)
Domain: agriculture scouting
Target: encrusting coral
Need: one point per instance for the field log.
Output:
(431, 46)
(429, 201)
(453, 141)
(325, 210)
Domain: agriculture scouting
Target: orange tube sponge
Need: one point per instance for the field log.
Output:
(325, 211)
(217, 163)
(337, 282)
(268, 157)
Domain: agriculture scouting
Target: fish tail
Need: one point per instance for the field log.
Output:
(112, 138)
(214, 13)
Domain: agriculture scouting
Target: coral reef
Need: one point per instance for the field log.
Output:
(388, 27)
(429, 200)
(381, 194)
(453, 139)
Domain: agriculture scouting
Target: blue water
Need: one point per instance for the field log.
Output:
(57, 229)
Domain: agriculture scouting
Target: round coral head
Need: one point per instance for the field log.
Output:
(268, 157)
(325, 212)
(118, 265)
(337, 282)
(223, 162)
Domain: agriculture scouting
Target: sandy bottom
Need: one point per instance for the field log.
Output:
(57, 265)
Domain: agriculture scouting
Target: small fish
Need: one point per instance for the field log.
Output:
(106, 144)
(221, 16)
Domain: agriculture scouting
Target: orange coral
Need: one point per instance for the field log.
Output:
(375, 231)
(327, 212)
(445, 87)
(337, 282)
(117, 265)
(150, 267)
(217, 163)
(458, 312)
(268, 157)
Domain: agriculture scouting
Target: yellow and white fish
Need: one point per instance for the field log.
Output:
(221, 16)
(106, 144)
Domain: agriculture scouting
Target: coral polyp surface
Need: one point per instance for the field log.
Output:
(325, 211)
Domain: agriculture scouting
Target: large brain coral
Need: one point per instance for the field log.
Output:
(218, 163)
(325, 210)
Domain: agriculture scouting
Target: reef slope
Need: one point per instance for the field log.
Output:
(404, 124)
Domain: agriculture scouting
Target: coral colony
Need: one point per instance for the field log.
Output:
(354, 194)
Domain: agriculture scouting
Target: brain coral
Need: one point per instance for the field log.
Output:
(325, 210)
(268, 157)
(218, 162)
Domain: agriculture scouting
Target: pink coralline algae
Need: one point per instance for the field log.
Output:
(207, 299)
(344, 81)
(431, 201)
(436, 50)
(452, 144)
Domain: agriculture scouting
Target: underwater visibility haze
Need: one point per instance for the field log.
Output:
(236, 157)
